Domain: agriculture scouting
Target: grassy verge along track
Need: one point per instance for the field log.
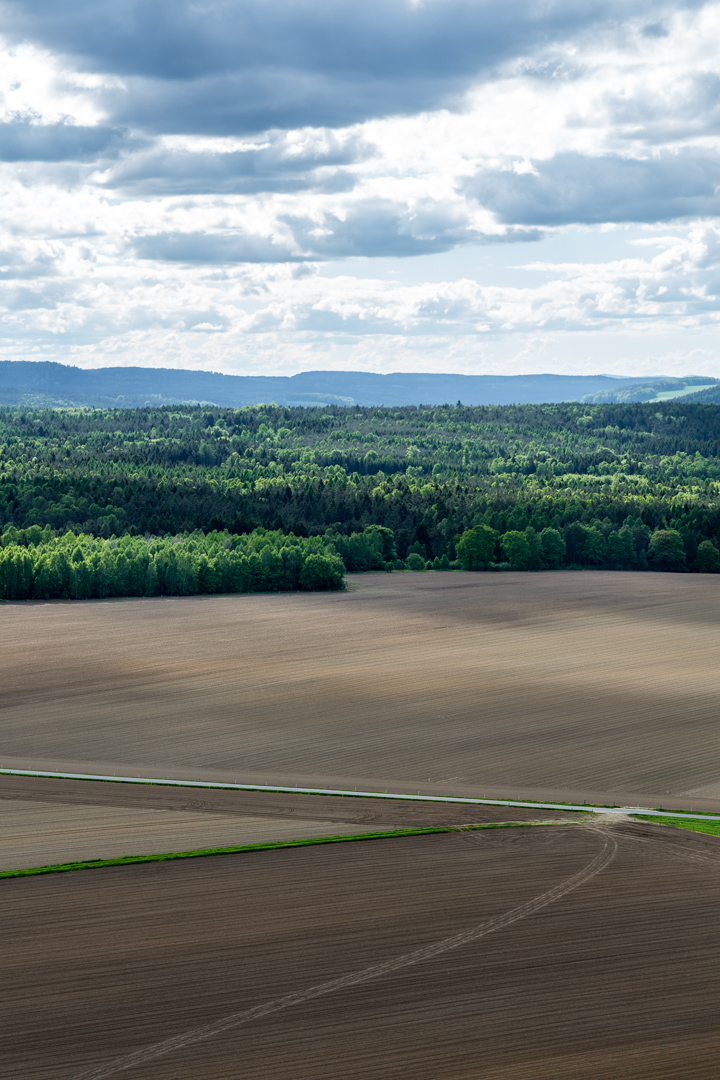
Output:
(712, 828)
(126, 860)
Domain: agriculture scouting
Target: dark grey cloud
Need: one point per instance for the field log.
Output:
(16, 264)
(656, 30)
(239, 66)
(24, 141)
(278, 167)
(372, 227)
(571, 188)
(222, 181)
(199, 247)
(382, 227)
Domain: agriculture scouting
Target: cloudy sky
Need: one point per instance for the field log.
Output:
(398, 185)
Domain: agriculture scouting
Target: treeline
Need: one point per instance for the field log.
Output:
(605, 478)
(633, 547)
(36, 565)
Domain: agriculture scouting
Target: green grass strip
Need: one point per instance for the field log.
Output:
(127, 860)
(712, 828)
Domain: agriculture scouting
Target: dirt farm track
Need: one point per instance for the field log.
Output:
(576, 686)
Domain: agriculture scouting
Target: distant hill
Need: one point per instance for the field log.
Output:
(690, 389)
(710, 395)
(44, 384)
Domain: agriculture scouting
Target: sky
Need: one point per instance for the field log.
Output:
(274, 186)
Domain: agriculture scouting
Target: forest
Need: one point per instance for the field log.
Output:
(102, 502)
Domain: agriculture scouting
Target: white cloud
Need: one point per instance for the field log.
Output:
(126, 241)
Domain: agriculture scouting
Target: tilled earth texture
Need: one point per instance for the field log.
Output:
(597, 686)
(48, 821)
(551, 953)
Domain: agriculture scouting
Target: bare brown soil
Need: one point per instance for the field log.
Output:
(618, 980)
(33, 834)
(45, 822)
(597, 686)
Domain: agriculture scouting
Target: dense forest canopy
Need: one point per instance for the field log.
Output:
(626, 486)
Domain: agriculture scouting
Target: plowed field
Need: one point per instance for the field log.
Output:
(44, 822)
(616, 979)
(597, 686)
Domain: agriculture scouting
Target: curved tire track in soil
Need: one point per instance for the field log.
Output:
(375, 971)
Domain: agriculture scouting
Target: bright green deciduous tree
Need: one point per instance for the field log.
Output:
(476, 547)
(321, 573)
(553, 547)
(384, 539)
(594, 546)
(517, 549)
(708, 558)
(667, 551)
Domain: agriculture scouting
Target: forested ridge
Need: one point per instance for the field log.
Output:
(634, 486)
